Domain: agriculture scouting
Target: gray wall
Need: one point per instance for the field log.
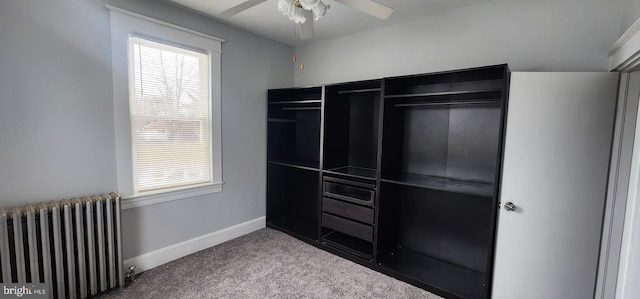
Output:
(541, 35)
(630, 12)
(56, 115)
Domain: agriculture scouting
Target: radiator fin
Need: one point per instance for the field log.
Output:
(73, 245)
(32, 237)
(18, 241)
(4, 247)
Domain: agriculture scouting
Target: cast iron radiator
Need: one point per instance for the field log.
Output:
(72, 245)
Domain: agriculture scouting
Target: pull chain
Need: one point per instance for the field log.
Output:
(301, 59)
(295, 44)
(295, 47)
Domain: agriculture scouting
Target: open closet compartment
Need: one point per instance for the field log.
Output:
(294, 126)
(441, 153)
(352, 117)
(443, 131)
(293, 160)
(352, 113)
(292, 200)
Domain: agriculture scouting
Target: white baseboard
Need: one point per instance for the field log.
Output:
(164, 255)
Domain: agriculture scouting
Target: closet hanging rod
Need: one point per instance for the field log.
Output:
(281, 120)
(296, 102)
(440, 93)
(448, 103)
(300, 108)
(358, 90)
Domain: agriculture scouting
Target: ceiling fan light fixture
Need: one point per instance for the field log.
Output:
(298, 15)
(285, 6)
(308, 4)
(294, 9)
(319, 10)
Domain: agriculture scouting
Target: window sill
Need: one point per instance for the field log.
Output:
(152, 199)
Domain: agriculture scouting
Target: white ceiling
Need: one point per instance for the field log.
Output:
(265, 19)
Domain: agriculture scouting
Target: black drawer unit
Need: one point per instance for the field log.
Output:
(347, 190)
(346, 226)
(348, 210)
(348, 214)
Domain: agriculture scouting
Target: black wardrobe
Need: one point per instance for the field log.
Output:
(399, 174)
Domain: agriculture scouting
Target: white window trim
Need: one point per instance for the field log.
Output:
(123, 24)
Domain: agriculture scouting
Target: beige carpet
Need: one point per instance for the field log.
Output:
(265, 264)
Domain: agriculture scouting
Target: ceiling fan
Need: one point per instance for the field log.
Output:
(304, 12)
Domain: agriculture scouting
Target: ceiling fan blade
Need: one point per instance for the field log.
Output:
(239, 8)
(307, 29)
(375, 9)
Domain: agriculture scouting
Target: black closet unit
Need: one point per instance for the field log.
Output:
(293, 160)
(441, 154)
(350, 167)
(409, 176)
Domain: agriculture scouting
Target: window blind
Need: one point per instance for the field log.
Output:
(170, 116)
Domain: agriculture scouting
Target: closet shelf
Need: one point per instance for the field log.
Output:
(300, 228)
(281, 120)
(301, 164)
(443, 93)
(359, 91)
(301, 101)
(484, 189)
(452, 278)
(483, 102)
(300, 108)
(354, 171)
(348, 244)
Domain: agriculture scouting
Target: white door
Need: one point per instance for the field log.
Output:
(629, 263)
(557, 148)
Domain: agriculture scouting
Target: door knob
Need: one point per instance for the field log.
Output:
(509, 206)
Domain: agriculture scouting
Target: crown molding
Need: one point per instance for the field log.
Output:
(635, 27)
(160, 22)
(625, 53)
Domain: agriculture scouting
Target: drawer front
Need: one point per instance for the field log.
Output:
(348, 193)
(345, 226)
(347, 210)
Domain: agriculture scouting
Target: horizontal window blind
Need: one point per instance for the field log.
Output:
(170, 116)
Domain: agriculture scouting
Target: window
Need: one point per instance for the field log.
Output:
(166, 82)
(169, 107)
